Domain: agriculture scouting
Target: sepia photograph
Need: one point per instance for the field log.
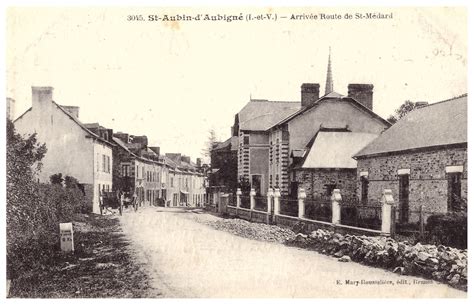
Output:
(183, 152)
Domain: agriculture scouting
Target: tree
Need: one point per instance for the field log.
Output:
(212, 140)
(23, 155)
(401, 111)
(56, 179)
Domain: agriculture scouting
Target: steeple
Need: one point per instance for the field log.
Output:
(329, 85)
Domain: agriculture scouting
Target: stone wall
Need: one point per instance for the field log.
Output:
(428, 179)
(315, 181)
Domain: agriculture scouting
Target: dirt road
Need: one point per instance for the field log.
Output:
(189, 259)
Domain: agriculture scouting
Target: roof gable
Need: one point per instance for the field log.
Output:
(332, 97)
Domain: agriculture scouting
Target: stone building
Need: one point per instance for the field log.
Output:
(308, 147)
(327, 163)
(422, 158)
(73, 149)
(186, 185)
(138, 168)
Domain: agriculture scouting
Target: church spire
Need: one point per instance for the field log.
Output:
(329, 85)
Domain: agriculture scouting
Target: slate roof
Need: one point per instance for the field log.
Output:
(123, 146)
(232, 141)
(332, 97)
(334, 149)
(437, 124)
(260, 115)
(76, 120)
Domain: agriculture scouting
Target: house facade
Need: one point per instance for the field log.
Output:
(138, 168)
(312, 148)
(73, 150)
(251, 128)
(422, 158)
(186, 183)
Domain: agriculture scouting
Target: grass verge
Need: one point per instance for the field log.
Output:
(102, 266)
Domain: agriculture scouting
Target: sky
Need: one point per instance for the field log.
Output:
(175, 81)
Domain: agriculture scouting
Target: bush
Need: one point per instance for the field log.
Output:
(34, 210)
(448, 229)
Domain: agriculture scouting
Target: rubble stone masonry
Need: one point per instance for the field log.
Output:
(316, 181)
(428, 184)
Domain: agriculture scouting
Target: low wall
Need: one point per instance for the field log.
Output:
(250, 215)
(291, 221)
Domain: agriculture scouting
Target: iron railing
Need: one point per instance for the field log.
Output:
(288, 206)
(318, 209)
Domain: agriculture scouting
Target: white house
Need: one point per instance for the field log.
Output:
(73, 150)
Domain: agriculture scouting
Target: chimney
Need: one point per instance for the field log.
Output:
(420, 104)
(143, 140)
(309, 94)
(110, 134)
(198, 162)
(122, 137)
(41, 97)
(74, 110)
(10, 108)
(363, 93)
(156, 149)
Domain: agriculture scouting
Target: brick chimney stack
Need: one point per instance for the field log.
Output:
(156, 149)
(186, 159)
(309, 94)
(363, 93)
(198, 162)
(42, 97)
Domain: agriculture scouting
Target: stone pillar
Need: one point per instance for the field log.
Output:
(276, 202)
(238, 194)
(66, 237)
(387, 203)
(252, 198)
(269, 200)
(336, 200)
(301, 198)
(223, 202)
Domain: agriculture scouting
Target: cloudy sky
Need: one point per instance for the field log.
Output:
(174, 81)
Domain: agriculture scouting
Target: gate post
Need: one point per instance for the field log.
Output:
(252, 198)
(387, 203)
(238, 194)
(336, 200)
(276, 201)
(301, 198)
(270, 195)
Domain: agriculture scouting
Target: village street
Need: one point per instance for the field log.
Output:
(185, 258)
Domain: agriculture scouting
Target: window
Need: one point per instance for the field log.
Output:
(98, 162)
(454, 191)
(108, 164)
(104, 165)
(125, 170)
(364, 181)
(404, 195)
(246, 139)
(172, 182)
(143, 172)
